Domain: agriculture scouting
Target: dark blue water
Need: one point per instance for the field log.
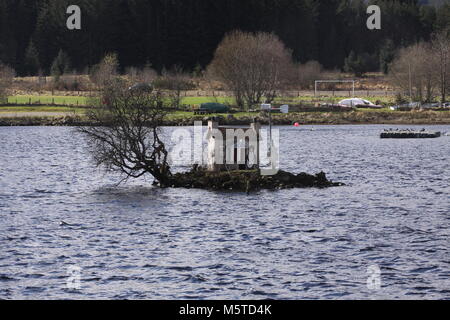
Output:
(138, 242)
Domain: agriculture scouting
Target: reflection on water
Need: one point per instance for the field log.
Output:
(137, 242)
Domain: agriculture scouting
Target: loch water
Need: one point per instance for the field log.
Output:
(134, 241)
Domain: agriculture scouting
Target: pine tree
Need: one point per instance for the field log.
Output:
(187, 32)
(443, 18)
(7, 39)
(387, 54)
(354, 64)
(60, 65)
(31, 61)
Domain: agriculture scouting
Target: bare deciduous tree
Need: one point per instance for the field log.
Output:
(126, 137)
(145, 75)
(440, 46)
(413, 72)
(307, 73)
(105, 71)
(174, 81)
(252, 66)
(6, 79)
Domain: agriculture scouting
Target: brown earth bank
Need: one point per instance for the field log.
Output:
(311, 118)
(305, 118)
(247, 181)
(330, 118)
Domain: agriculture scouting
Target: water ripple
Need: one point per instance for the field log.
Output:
(139, 242)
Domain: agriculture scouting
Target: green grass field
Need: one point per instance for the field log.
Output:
(61, 100)
(200, 100)
(195, 101)
(82, 101)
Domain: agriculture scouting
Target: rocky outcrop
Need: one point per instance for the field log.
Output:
(247, 181)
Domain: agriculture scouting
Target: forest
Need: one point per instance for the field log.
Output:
(164, 33)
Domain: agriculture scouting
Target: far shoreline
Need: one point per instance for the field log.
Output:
(376, 117)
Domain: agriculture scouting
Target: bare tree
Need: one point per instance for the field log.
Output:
(6, 79)
(106, 71)
(307, 73)
(145, 75)
(125, 136)
(252, 66)
(440, 45)
(413, 72)
(174, 81)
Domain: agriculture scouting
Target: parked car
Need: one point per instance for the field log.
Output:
(212, 107)
(359, 103)
(141, 87)
(406, 106)
(429, 106)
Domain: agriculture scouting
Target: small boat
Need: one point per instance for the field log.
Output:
(409, 134)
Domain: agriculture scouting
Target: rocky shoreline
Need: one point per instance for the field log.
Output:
(304, 118)
(248, 181)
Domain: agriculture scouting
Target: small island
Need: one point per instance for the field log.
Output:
(127, 139)
(248, 180)
(244, 173)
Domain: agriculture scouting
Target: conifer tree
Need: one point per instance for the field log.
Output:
(31, 61)
(60, 65)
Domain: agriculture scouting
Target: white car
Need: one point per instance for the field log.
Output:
(356, 102)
